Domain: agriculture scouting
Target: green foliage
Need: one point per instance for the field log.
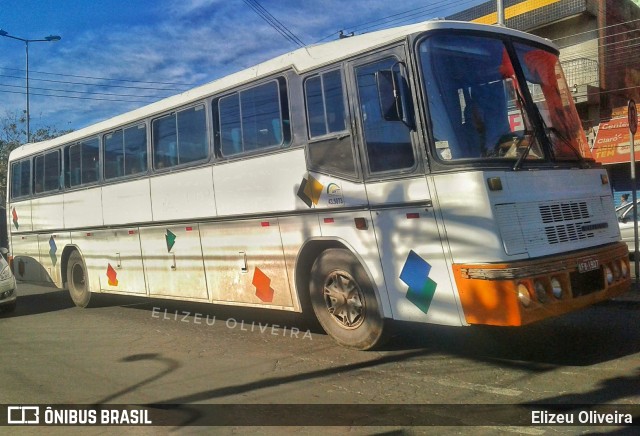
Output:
(12, 135)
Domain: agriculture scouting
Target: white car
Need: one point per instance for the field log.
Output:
(8, 293)
(625, 221)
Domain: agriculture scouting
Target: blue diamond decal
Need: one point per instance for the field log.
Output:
(52, 251)
(415, 274)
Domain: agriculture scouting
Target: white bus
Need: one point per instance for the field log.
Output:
(376, 177)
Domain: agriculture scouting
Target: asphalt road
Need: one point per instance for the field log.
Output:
(127, 350)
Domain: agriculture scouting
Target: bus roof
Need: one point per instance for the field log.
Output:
(300, 60)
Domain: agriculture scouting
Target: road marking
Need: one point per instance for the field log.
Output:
(520, 430)
(480, 388)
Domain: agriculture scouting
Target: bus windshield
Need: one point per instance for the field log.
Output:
(478, 110)
(554, 101)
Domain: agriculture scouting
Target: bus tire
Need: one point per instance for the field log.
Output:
(344, 301)
(77, 280)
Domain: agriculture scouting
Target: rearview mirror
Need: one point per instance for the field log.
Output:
(388, 96)
(394, 97)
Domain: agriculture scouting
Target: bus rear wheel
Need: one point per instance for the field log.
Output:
(77, 280)
(344, 301)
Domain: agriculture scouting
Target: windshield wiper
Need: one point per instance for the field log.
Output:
(524, 155)
(534, 136)
(567, 142)
(581, 159)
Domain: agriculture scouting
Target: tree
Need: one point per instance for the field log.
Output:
(12, 134)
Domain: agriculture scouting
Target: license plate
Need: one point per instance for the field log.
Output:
(588, 264)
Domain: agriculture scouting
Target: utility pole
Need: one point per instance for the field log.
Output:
(50, 38)
(500, 8)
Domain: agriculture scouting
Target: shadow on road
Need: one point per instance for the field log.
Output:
(601, 333)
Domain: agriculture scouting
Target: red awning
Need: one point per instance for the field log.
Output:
(612, 144)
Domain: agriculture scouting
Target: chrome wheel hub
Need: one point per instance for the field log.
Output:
(344, 300)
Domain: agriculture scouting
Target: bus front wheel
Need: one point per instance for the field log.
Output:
(344, 300)
(77, 280)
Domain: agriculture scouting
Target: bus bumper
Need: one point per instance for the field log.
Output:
(519, 293)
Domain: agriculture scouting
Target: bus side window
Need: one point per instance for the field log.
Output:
(90, 160)
(82, 163)
(330, 146)
(113, 155)
(21, 178)
(253, 119)
(387, 143)
(52, 171)
(192, 135)
(164, 142)
(180, 138)
(135, 149)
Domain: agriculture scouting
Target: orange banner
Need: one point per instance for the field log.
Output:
(613, 142)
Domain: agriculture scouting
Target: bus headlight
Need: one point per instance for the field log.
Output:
(616, 270)
(541, 291)
(624, 270)
(556, 288)
(523, 295)
(608, 274)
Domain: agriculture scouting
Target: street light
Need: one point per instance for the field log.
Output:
(50, 38)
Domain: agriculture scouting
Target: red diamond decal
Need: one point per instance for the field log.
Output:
(261, 281)
(112, 275)
(14, 214)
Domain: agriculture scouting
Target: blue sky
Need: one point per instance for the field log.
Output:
(117, 55)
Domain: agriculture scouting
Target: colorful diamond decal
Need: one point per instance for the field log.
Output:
(415, 273)
(170, 238)
(112, 275)
(52, 251)
(310, 190)
(262, 283)
(14, 214)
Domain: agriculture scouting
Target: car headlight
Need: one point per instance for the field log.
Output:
(5, 274)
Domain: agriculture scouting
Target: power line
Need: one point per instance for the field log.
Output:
(82, 92)
(405, 17)
(274, 22)
(601, 28)
(397, 18)
(76, 97)
(102, 78)
(615, 51)
(92, 84)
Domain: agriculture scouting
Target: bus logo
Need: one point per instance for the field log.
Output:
(334, 192)
(23, 415)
